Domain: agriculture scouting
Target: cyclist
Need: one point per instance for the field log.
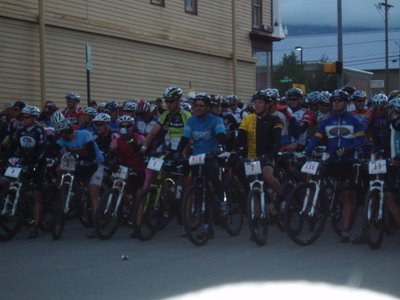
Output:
(215, 107)
(103, 134)
(344, 134)
(28, 144)
(231, 125)
(111, 108)
(49, 108)
(73, 112)
(233, 102)
(90, 159)
(207, 133)
(173, 120)
(145, 118)
(305, 118)
(129, 108)
(325, 106)
(260, 135)
(88, 114)
(378, 125)
(159, 107)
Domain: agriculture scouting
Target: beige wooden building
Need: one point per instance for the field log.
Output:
(138, 47)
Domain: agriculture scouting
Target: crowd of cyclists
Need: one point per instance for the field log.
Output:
(349, 124)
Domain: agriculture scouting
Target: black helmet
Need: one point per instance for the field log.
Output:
(203, 97)
(173, 92)
(296, 92)
(340, 93)
(265, 95)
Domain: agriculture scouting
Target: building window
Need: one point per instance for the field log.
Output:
(191, 7)
(158, 2)
(256, 13)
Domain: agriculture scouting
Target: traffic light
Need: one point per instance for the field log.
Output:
(335, 67)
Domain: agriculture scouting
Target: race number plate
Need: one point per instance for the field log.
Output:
(252, 167)
(310, 167)
(197, 159)
(67, 163)
(155, 164)
(122, 173)
(13, 172)
(377, 167)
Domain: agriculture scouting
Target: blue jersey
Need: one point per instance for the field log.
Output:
(340, 131)
(82, 137)
(203, 131)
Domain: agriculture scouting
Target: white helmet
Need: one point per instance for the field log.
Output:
(102, 117)
(90, 111)
(31, 110)
(56, 117)
(62, 125)
(130, 106)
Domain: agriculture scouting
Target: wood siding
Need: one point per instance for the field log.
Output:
(138, 48)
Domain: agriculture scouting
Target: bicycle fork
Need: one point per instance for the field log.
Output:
(376, 185)
(258, 185)
(15, 187)
(70, 193)
(120, 185)
(317, 184)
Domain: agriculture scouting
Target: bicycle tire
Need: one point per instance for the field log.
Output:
(85, 209)
(234, 221)
(146, 214)
(196, 222)
(168, 203)
(302, 228)
(10, 224)
(49, 195)
(258, 225)
(59, 215)
(374, 226)
(337, 215)
(107, 215)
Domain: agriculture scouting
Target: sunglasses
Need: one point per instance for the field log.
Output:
(27, 117)
(170, 101)
(360, 101)
(325, 105)
(125, 126)
(199, 105)
(99, 124)
(338, 100)
(293, 99)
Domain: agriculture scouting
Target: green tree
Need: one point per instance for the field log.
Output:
(291, 68)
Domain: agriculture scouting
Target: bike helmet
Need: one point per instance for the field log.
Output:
(263, 95)
(294, 92)
(358, 94)
(186, 106)
(90, 111)
(232, 99)
(126, 118)
(63, 125)
(56, 117)
(102, 117)
(349, 89)
(173, 92)
(51, 107)
(73, 96)
(203, 97)
(111, 106)
(324, 97)
(339, 93)
(130, 106)
(20, 104)
(31, 111)
(215, 100)
(313, 97)
(379, 100)
(395, 104)
(143, 107)
(394, 94)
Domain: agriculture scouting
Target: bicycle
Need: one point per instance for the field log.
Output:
(312, 202)
(67, 195)
(109, 212)
(158, 204)
(16, 201)
(199, 209)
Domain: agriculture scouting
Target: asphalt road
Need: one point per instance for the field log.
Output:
(170, 266)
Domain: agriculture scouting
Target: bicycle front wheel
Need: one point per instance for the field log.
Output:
(196, 217)
(10, 222)
(59, 216)
(234, 198)
(108, 214)
(304, 224)
(258, 221)
(146, 212)
(374, 221)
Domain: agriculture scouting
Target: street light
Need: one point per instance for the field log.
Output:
(301, 53)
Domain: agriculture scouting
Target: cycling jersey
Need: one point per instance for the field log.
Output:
(73, 116)
(174, 124)
(103, 141)
(341, 131)
(290, 127)
(306, 120)
(203, 131)
(395, 138)
(379, 131)
(261, 135)
(79, 146)
(128, 149)
(144, 127)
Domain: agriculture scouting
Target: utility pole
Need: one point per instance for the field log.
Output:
(340, 41)
(386, 7)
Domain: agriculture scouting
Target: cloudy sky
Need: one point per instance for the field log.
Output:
(355, 12)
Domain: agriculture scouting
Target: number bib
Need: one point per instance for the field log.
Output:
(377, 167)
(122, 173)
(155, 164)
(252, 167)
(310, 167)
(13, 172)
(197, 159)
